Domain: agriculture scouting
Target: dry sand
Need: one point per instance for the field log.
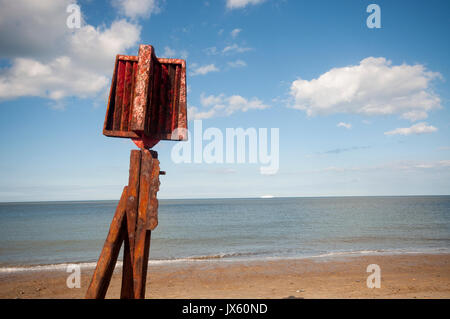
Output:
(402, 276)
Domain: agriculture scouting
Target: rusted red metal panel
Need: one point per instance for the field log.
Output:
(127, 95)
(143, 79)
(111, 127)
(147, 99)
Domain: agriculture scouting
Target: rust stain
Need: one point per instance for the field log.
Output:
(147, 100)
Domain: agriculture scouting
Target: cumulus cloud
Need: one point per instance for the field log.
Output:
(211, 51)
(237, 64)
(55, 80)
(342, 150)
(235, 48)
(235, 32)
(168, 52)
(239, 4)
(374, 87)
(195, 114)
(172, 53)
(96, 47)
(32, 28)
(222, 105)
(419, 128)
(227, 50)
(184, 54)
(405, 165)
(73, 62)
(137, 8)
(411, 165)
(346, 125)
(204, 69)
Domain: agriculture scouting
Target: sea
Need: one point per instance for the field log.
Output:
(52, 235)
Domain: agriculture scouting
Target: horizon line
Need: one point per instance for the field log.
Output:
(205, 198)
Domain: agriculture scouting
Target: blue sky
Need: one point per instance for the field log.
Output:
(300, 66)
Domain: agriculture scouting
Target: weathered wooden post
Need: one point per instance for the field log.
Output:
(147, 103)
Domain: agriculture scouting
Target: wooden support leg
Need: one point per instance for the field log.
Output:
(108, 257)
(141, 265)
(141, 246)
(127, 291)
(136, 216)
(133, 196)
(147, 219)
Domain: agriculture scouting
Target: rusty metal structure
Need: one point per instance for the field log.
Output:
(147, 99)
(147, 103)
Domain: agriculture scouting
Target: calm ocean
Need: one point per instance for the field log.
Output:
(54, 233)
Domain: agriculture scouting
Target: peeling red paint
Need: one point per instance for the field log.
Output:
(147, 100)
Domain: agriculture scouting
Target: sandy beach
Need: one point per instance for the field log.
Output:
(402, 276)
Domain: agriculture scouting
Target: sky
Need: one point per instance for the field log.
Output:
(360, 111)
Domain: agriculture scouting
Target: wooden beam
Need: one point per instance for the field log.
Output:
(133, 196)
(127, 290)
(108, 257)
(140, 245)
(136, 215)
(152, 206)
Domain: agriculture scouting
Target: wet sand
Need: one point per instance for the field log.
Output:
(402, 276)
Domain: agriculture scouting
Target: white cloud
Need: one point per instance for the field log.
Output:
(444, 163)
(235, 48)
(168, 52)
(238, 4)
(374, 87)
(405, 165)
(415, 115)
(346, 125)
(222, 105)
(229, 49)
(55, 80)
(211, 100)
(195, 114)
(137, 8)
(237, 64)
(73, 62)
(202, 70)
(419, 128)
(211, 51)
(32, 28)
(411, 165)
(172, 53)
(97, 47)
(344, 149)
(184, 54)
(235, 32)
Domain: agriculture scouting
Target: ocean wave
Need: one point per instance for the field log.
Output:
(225, 255)
(92, 265)
(251, 256)
(50, 267)
(382, 252)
